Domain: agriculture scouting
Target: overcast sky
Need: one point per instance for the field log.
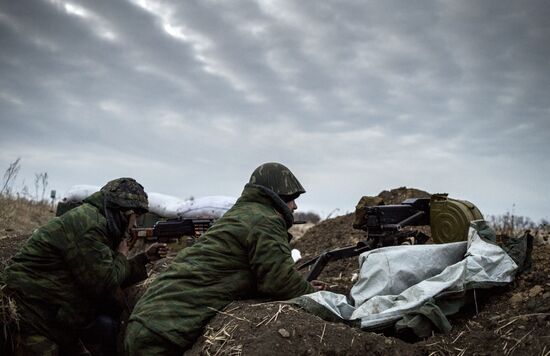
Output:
(355, 97)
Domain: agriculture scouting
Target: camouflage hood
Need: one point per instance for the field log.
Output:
(116, 221)
(116, 197)
(261, 194)
(98, 200)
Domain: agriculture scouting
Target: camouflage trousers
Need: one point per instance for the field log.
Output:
(140, 341)
(39, 345)
(27, 345)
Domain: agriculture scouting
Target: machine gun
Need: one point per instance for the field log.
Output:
(170, 230)
(384, 225)
(449, 221)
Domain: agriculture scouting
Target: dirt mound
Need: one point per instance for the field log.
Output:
(398, 195)
(246, 328)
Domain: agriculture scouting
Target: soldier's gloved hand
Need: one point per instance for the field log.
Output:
(318, 285)
(156, 251)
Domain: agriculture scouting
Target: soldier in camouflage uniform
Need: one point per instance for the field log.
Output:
(245, 254)
(69, 266)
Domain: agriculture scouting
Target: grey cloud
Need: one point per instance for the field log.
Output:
(368, 93)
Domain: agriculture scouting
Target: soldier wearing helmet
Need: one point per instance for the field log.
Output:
(280, 180)
(69, 268)
(245, 254)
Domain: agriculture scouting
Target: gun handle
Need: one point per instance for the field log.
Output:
(337, 254)
(318, 267)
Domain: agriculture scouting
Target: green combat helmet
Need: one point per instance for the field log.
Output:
(126, 193)
(279, 179)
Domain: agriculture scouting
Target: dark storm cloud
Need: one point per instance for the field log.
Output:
(369, 94)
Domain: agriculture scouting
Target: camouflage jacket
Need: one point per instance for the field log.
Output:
(245, 254)
(66, 268)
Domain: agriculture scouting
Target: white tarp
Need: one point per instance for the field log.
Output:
(394, 281)
(211, 207)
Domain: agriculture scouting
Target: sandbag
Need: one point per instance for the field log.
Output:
(160, 205)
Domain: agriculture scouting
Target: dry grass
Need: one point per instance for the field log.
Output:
(21, 216)
(17, 217)
(299, 230)
(9, 317)
(222, 341)
(218, 342)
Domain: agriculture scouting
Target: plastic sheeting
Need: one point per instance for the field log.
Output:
(210, 207)
(395, 281)
(296, 254)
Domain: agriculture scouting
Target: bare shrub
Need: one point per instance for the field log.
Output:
(510, 224)
(40, 185)
(9, 177)
(307, 217)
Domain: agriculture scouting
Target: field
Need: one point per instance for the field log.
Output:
(512, 320)
(18, 218)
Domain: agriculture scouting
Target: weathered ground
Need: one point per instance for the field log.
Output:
(512, 320)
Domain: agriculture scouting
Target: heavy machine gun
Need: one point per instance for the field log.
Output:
(386, 225)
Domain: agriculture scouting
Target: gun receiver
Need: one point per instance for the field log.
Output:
(384, 224)
(381, 219)
(171, 230)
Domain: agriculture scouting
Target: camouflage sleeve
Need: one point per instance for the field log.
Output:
(100, 270)
(271, 261)
(138, 272)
